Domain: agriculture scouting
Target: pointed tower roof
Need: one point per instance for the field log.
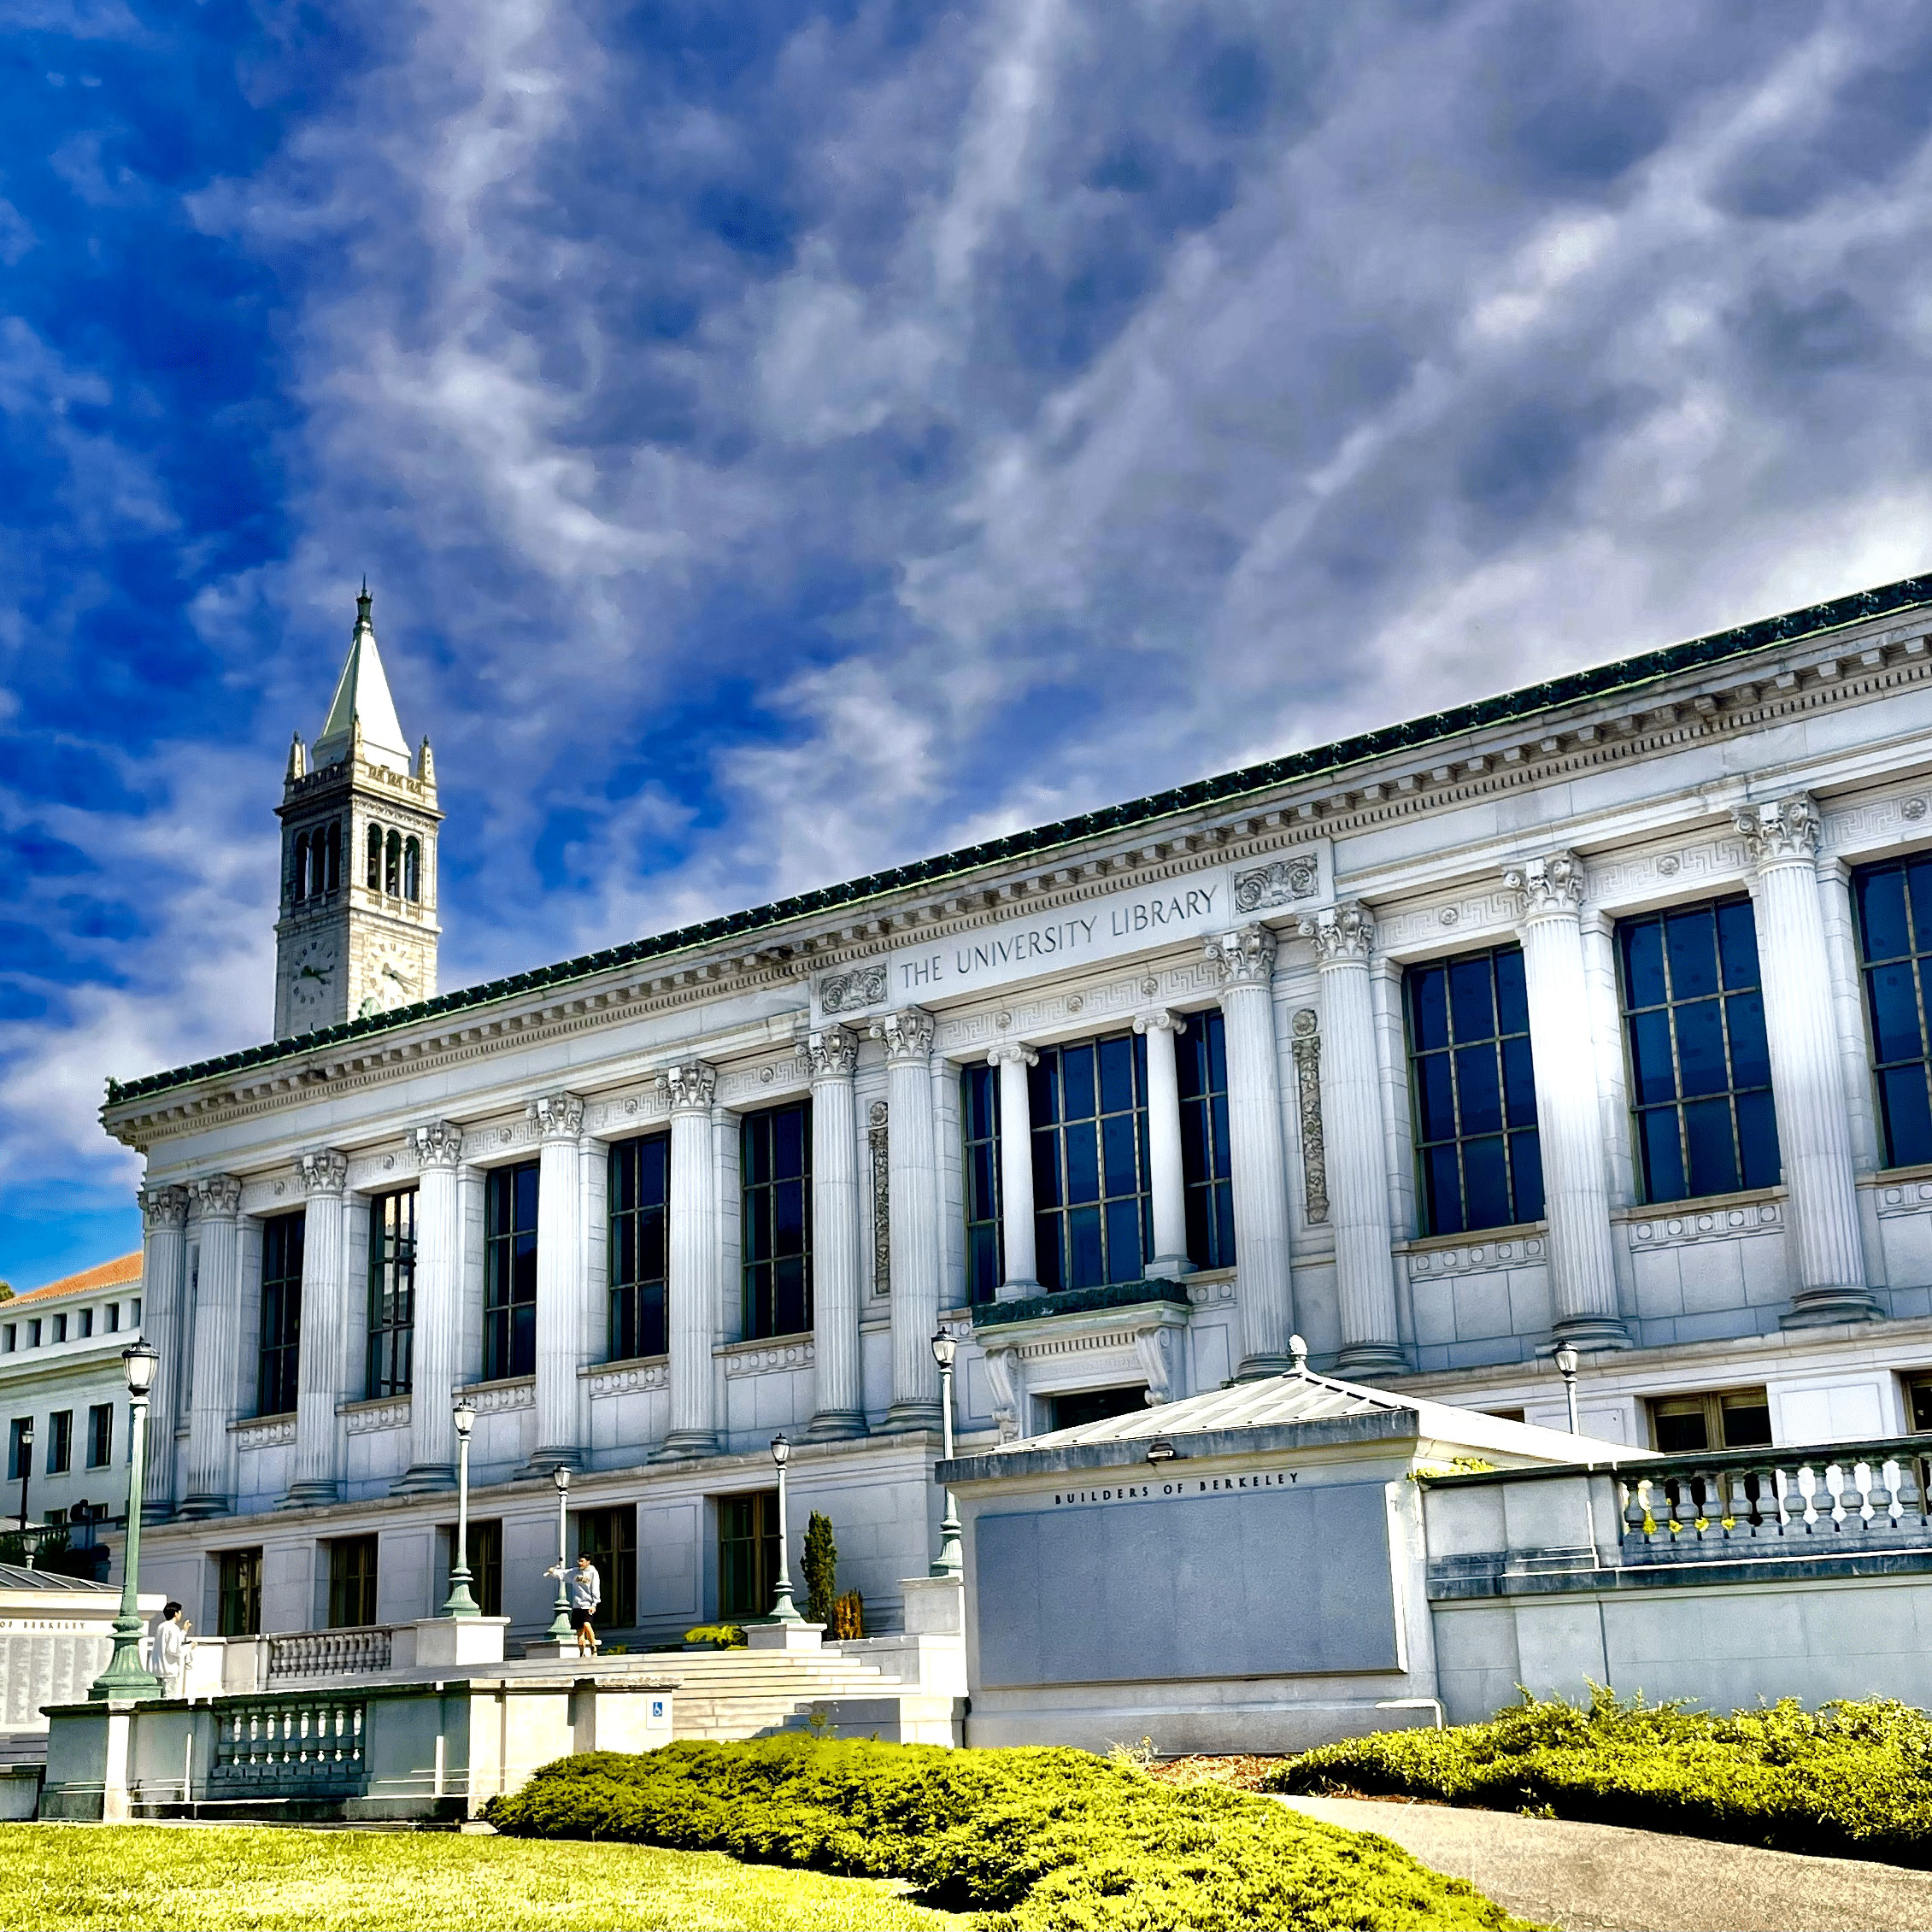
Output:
(362, 699)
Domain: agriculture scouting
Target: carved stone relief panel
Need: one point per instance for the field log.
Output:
(853, 991)
(877, 1140)
(1305, 1042)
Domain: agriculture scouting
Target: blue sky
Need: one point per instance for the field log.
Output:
(785, 440)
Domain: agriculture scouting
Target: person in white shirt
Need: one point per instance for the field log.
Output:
(171, 1650)
(584, 1590)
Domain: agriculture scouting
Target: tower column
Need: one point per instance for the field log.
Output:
(1258, 1169)
(1814, 1131)
(1021, 1275)
(836, 1285)
(692, 1289)
(560, 1281)
(1166, 1183)
(915, 1216)
(323, 1330)
(1582, 1265)
(164, 1256)
(1357, 1171)
(436, 1346)
(217, 1201)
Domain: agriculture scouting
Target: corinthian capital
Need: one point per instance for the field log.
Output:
(1011, 1052)
(216, 1196)
(834, 1053)
(1551, 885)
(1781, 832)
(437, 1143)
(162, 1207)
(322, 1171)
(1243, 958)
(1342, 934)
(690, 1084)
(907, 1034)
(559, 1117)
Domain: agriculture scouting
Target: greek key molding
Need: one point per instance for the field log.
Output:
(851, 992)
(1281, 882)
(162, 1207)
(1876, 822)
(1053, 1012)
(1660, 1230)
(1781, 832)
(879, 1143)
(642, 1377)
(767, 1358)
(739, 1086)
(1480, 1257)
(833, 1052)
(1713, 864)
(1549, 887)
(1344, 935)
(1305, 1042)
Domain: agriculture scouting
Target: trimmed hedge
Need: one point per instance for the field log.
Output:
(1847, 1779)
(1035, 1838)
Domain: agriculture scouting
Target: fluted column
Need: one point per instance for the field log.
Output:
(1021, 1275)
(914, 1173)
(559, 1120)
(1358, 1162)
(1582, 1265)
(1807, 1074)
(164, 1250)
(836, 1284)
(217, 1201)
(436, 1347)
(691, 1289)
(1166, 1185)
(1244, 961)
(324, 1174)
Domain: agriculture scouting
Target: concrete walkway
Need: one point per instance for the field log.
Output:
(1604, 1878)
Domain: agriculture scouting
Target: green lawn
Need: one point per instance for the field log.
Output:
(241, 1875)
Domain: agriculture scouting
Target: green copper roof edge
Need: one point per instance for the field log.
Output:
(1813, 621)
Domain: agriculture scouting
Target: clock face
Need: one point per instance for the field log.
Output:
(314, 969)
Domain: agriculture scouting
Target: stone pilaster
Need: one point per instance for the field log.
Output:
(907, 1035)
(323, 1331)
(435, 1361)
(1244, 961)
(164, 1252)
(561, 1286)
(1582, 1265)
(691, 1290)
(1165, 1183)
(1357, 1175)
(216, 1201)
(1827, 1254)
(1021, 1275)
(836, 1284)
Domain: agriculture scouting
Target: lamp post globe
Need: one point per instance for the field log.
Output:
(560, 1630)
(949, 1562)
(125, 1675)
(1567, 1361)
(460, 1602)
(784, 1610)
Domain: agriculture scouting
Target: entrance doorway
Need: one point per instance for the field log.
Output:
(748, 1554)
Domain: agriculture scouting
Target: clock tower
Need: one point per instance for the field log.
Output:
(358, 929)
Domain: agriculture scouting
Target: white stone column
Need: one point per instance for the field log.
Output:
(1582, 1263)
(324, 1174)
(1358, 1166)
(836, 1287)
(1165, 1182)
(692, 1289)
(559, 1120)
(1814, 1135)
(913, 1171)
(217, 1343)
(437, 1367)
(164, 1258)
(1021, 1277)
(1244, 961)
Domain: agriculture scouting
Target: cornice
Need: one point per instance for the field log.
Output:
(1709, 688)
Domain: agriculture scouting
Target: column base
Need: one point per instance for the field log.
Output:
(1831, 1307)
(1592, 1335)
(556, 1455)
(687, 1444)
(1366, 1359)
(423, 1479)
(1017, 1291)
(153, 1514)
(1259, 1368)
(198, 1509)
(903, 1417)
(1168, 1267)
(837, 1425)
(311, 1495)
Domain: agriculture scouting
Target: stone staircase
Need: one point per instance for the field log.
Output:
(724, 1695)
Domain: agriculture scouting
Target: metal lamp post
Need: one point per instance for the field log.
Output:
(1567, 1367)
(784, 1610)
(29, 1542)
(559, 1630)
(461, 1603)
(949, 1562)
(125, 1675)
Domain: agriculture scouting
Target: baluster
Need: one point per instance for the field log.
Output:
(1859, 1481)
(1885, 1497)
(1831, 1477)
(1781, 1495)
(1808, 1490)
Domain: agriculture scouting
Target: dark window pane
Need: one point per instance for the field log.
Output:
(1120, 1152)
(1082, 1160)
(1746, 1421)
(1485, 1184)
(788, 1145)
(1663, 1159)
(1046, 1170)
(1713, 1154)
(1430, 1005)
(1435, 1102)
(1652, 1070)
(1737, 944)
(1919, 875)
(1526, 1168)
(1683, 1434)
(1644, 963)
(1519, 1083)
(1043, 1088)
(1124, 1257)
(1689, 942)
(1443, 1186)
(1513, 1002)
(1472, 1011)
(1085, 1266)
(1479, 1089)
(1908, 1121)
(1757, 1135)
(1077, 1083)
(1882, 930)
(1750, 1055)
(1117, 1075)
(1700, 1049)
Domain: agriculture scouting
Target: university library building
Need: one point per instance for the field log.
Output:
(1595, 1014)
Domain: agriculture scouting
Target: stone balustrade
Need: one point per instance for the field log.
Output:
(286, 1746)
(331, 1653)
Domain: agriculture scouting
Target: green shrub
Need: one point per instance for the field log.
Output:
(719, 1636)
(1847, 1779)
(847, 1618)
(1037, 1839)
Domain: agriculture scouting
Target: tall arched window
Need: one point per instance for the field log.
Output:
(332, 876)
(392, 871)
(373, 876)
(300, 883)
(413, 869)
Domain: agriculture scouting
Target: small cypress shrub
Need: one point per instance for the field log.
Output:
(847, 1618)
(821, 1570)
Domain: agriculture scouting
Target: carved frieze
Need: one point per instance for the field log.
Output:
(629, 1378)
(371, 1419)
(1281, 882)
(1305, 1041)
(500, 1398)
(852, 992)
(768, 1358)
(264, 1432)
(878, 1131)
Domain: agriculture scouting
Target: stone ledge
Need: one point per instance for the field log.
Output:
(1081, 1301)
(1468, 1580)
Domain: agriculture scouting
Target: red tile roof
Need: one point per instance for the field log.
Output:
(122, 1272)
